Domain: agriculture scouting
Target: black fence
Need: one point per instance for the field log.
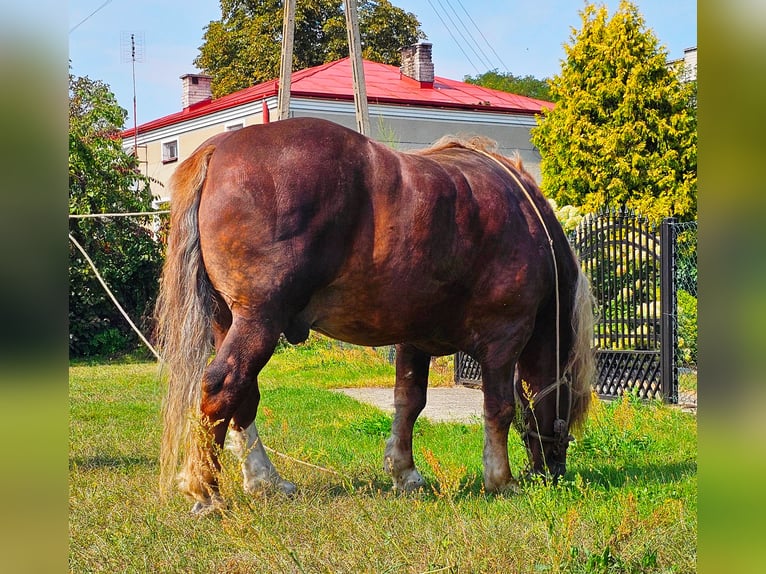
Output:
(638, 273)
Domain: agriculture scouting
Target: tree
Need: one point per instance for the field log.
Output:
(522, 85)
(243, 48)
(624, 130)
(105, 179)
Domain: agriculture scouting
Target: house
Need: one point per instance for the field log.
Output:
(686, 66)
(409, 108)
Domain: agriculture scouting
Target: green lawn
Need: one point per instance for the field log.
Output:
(627, 504)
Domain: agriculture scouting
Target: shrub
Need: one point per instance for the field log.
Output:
(687, 327)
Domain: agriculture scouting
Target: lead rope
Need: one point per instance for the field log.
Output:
(556, 283)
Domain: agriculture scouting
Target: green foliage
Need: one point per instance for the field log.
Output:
(569, 216)
(105, 179)
(624, 129)
(243, 48)
(506, 82)
(687, 327)
(377, 425)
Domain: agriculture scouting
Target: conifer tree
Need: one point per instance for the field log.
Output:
(624, 131)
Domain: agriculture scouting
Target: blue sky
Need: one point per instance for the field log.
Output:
(525, 38)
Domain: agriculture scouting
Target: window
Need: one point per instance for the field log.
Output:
(169, 151)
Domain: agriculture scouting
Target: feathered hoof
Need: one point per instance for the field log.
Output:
(213, 505)
(511, 486)
(409, 482)
(266, 487)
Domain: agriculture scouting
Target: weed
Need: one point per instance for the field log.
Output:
(448, 477)
(376, 425)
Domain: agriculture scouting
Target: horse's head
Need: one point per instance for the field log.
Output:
(546, 433)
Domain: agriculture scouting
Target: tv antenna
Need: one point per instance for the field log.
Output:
(132, 50)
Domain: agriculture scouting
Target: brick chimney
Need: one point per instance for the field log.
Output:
(417, 64)
(196, 89)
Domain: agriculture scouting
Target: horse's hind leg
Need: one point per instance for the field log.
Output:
(227, 384)
(258, 472)
(409, 400)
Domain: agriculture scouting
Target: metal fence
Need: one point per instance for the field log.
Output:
(644, 280)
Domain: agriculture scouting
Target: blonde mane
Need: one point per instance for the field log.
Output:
(476, 143)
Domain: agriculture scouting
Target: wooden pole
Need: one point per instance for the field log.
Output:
(286, 63)
(357, 67)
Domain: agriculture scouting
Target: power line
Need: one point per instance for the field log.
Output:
(460, 47)
(88, 17)
(455, 27)
(483, 37)
(472, 41)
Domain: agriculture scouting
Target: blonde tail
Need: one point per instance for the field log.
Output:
(183, 314)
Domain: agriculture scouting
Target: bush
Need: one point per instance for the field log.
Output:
(687, 327)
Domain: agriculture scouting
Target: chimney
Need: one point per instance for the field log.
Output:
(196, 89)
(417, 64)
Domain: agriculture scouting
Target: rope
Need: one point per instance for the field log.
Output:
(304, 463)
(555, 273)
(134, 214)
(149, 345)
(112, 297)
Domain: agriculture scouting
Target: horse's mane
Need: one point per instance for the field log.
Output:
(476, 143)
(581, 362)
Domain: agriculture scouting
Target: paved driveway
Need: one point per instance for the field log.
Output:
(444, 404)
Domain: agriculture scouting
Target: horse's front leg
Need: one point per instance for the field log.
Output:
(499, 410)
(409, 400)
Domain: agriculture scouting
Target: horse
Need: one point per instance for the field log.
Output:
(302, 224)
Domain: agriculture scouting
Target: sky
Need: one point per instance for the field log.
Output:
(468, 37)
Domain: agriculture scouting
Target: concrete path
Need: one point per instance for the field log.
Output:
(444, 404)
(457, 404)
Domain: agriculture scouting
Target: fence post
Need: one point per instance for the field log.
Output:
(668, 332)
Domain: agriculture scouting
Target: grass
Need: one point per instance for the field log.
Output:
(627, 504)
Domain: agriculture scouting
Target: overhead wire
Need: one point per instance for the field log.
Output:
(469, 41)
(457, 43)
(89, 16)
(505, 67)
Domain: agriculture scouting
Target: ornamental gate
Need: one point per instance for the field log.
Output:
(631, 265)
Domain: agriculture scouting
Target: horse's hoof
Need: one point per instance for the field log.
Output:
(409, 482)
(511, 487)
(204, 508)
(287, 488)
(266, 487)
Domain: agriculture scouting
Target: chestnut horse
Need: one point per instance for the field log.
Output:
(303, 224)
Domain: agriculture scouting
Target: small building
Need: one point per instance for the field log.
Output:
(686, 66)
(409, 107)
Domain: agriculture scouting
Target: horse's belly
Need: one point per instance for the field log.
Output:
(378, 319)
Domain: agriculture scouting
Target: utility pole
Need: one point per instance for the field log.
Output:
(286, 63)
(357, 67)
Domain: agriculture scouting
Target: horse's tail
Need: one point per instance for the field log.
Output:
(183, 313)
(581, 364)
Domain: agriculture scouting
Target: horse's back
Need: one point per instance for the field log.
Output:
(340, 233)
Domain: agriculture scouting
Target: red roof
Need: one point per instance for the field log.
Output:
(385, 85)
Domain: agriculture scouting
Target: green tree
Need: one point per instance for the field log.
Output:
(105, 179)
(624, 129)
(243, 48)
(522, 85)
